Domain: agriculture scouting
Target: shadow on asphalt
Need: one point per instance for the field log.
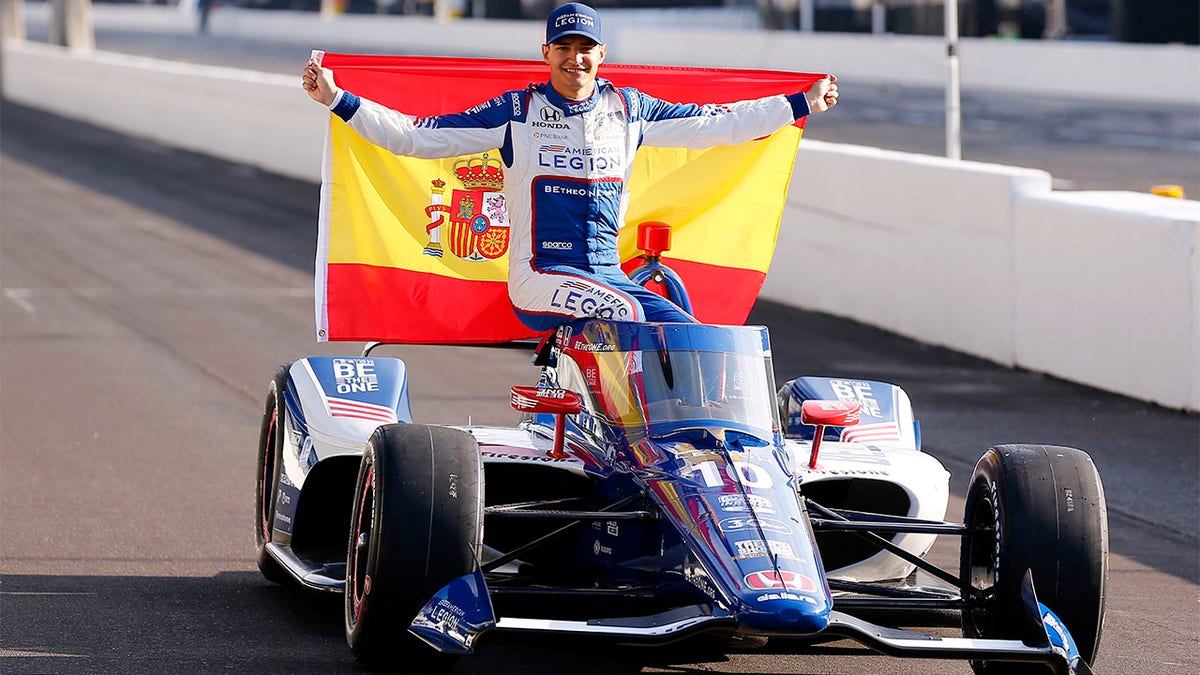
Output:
(1149, 456)
(267, 214)
(238, 622)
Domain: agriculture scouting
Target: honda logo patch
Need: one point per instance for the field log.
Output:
(768, 579)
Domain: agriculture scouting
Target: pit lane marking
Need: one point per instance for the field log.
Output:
(27, 653)
(20, 296)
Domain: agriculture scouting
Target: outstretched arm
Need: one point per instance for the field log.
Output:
(477, 130)
(687, 125)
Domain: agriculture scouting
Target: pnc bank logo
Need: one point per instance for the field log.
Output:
(551, 115)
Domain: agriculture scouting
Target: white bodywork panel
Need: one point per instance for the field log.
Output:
(921, 476)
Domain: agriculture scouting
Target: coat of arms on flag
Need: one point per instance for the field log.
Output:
(478, 223)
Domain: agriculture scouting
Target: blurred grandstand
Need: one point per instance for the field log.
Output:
(1145, 21)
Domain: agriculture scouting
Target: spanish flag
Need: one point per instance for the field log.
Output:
(405, 254)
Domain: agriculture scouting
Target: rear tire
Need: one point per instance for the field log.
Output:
(270, 449)
(416, 525)
(1046, 506)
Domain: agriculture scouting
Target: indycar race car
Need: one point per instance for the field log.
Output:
(659, 486)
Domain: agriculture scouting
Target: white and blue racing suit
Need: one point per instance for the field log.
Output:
(566, 164)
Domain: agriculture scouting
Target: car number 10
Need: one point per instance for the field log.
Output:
(747, 474)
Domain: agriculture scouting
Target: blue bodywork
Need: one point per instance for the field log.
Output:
(363, 390)
(881, 404)
(666, 420)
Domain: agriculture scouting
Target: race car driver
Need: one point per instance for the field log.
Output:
(568, 148)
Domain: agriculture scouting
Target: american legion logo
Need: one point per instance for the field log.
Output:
(474, 225)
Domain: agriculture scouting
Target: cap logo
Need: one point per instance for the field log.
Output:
(581, 19)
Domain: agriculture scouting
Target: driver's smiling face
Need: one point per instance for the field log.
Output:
(574, 61)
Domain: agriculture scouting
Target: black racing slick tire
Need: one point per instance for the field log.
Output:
(416, 525)
(270, 449)
(1044, 511)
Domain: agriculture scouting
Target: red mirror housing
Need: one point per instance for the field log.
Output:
(545, 400)
(827, 413)
(830, 413)
(560, 402)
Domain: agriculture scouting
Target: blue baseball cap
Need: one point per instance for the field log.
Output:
(573, 18)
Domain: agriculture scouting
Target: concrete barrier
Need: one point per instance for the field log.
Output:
(1106, 290)
(1101, 288)
(258, 119)
(1098, 288)
(919, 245)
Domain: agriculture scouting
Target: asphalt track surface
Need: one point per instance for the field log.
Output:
(148, 296)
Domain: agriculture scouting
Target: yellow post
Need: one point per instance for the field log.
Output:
(1175, 191)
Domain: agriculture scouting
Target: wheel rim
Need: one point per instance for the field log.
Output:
(267, 479)
(984, 560)
(360, 579)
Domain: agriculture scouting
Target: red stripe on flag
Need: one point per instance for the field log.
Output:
(393, 305)
(437, 85)
(367, 303)
(720, 295)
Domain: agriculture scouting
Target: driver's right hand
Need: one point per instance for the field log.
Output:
(318, 82)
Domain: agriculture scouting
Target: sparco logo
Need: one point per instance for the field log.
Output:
(768, 579)
(558, 245)
(550, 115)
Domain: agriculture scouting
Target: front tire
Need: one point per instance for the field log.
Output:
(1045, 508)
(270, 449)
(416, 525)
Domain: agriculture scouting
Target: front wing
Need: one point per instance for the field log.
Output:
(454, 619)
